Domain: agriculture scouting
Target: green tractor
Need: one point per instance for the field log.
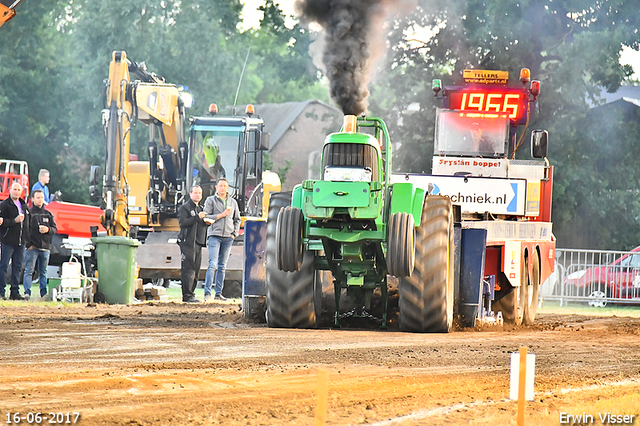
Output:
(361, 228)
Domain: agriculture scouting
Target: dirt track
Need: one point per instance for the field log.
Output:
(172, 364)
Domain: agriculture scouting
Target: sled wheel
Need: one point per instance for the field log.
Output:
(531, 307)
(232, 289)
(160, 282)
(401, 245)
(512, 300)
(426, 297)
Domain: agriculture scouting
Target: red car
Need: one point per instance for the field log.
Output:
(619, 279)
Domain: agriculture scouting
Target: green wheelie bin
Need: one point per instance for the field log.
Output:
(116, 258)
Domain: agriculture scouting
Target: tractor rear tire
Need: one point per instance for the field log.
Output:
(531, 307)
(292, 300)
(426, 297)
(289, 227)
(401, 245)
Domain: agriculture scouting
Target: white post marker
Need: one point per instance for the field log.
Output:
(522, 374)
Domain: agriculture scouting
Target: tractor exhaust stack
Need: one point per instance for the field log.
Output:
(350, 124)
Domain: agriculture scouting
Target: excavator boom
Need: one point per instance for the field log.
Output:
(148, 99)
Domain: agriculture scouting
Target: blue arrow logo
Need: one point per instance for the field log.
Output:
(514, 201)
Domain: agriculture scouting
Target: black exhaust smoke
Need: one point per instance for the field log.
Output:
(351, 26)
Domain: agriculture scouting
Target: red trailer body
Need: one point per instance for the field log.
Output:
(75, 220)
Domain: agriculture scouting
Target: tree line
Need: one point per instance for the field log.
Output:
(54, 57)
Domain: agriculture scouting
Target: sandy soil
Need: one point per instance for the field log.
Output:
(174, 364)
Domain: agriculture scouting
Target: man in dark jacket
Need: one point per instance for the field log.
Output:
(14, 231)
(192, 237)
(41, 228)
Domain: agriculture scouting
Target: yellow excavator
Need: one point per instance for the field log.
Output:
(8, 10)
(141, 192)
(141, 198)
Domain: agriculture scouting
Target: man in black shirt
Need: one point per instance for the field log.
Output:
(192, 237)
(14, 229)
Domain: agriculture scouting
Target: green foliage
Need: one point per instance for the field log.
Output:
(32, 71)
(571, 46)
(55, 55)
(285, 67)
(596, 182)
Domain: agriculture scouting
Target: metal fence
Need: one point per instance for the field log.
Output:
(596, 277)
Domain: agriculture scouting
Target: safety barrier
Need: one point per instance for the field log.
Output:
(596, 277)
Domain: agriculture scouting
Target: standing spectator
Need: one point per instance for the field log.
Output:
(41, 184)
(192, 237)
(14, 230)
(41, 228)
(223, 211)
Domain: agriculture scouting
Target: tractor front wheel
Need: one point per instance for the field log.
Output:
(426, 297)
(401, 245)
(292, 301)
(289, 239)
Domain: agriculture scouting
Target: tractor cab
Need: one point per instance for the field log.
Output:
(353, 157)
(471, 135)
(352, 174)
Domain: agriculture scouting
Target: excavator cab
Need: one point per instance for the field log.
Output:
(215, 152)
(228, 147)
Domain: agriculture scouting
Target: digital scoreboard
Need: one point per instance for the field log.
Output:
(487, 99)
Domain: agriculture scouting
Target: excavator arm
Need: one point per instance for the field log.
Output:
(160, 106)
(116, 122)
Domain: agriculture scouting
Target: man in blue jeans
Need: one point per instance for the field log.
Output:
(223, 216)
(14, 230)
(41, 230)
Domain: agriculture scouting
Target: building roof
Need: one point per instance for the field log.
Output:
(625, 96)
(636, 102)
(278, 118)
(629, 94)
